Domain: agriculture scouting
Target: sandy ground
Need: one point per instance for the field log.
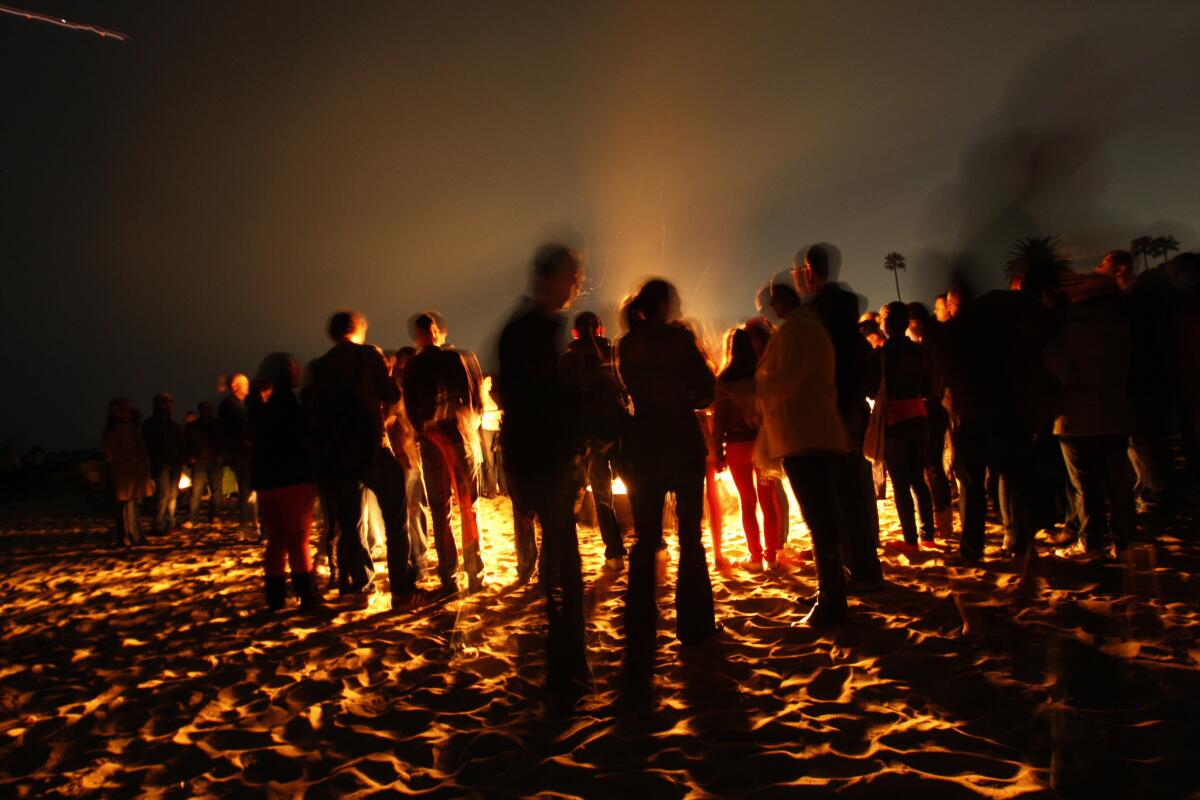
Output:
(154, 671)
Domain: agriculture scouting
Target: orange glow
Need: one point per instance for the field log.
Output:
(619, 486)
(184, 481)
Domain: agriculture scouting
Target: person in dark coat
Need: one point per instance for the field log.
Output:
(128, 469)
(668, 378)
(539, 437)
(204, 455)
(164, 443)
(236, 445)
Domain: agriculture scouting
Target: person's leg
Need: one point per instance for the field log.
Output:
(199, 481)
(716, 514)
(418, 515)
(739, 456)
(173, 495)
(465, 483)
(812, 477)
(897, 461)
(437, 487)
(935, 470)
(1087, 472)
(783, 507)
(355, 568)
(214, 470)
(566, 657)
(858, 522)
(641, 610)
(694, 616)
(599, 475)
(970, 470)
(275, 554)
(161, 478)
(768, 499)
(524, 533)
(488, 467)
(1118, 481)
(386, 479)
(916, 446)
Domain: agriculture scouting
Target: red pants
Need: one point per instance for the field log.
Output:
(754, 491)
(286, 518)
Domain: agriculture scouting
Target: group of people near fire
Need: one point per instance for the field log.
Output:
(1059, 399)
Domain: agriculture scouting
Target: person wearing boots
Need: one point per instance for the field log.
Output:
(281, 472)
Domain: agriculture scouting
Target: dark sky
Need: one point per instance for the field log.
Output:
(182, 204)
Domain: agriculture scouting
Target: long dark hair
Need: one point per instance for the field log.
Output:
(645, 305)
(741, 358)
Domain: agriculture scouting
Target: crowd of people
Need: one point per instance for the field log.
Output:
(1057, 400)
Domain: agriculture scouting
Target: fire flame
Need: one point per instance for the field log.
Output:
(184, 481)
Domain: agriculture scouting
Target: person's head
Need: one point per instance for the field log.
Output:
(782, 299)
(870, 331)
(205, 409)
(190, 416)
(119, 410)
(557, 276)
(869, 316)
(956, 298)
(587, 326)
(655, 301)
(163, 404)
(239, 386)
(279, 371)
(810, 269)
(427, 331)
(741, 357)
(895, 321)
(403, 356)
(941, 308)
(918, 321)
(1118, 264)
(347, 326)
(882, 316)
(760, 330)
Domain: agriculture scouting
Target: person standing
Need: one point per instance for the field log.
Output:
(128, 469)
(347, 391)
(404, 444)
(668, 379)
(439, 396)
(539, 438)
(238, 448)
(204, 454)
(282, 475)
(164, 443)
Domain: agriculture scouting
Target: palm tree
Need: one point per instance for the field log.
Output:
(1141, 246)
(893, 262)
(1032, 250)
(1166, 245)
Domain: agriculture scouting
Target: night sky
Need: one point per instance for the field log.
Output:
(181, 204)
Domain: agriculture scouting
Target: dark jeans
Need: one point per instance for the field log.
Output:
(210, 474)
(935, 469)
(905, 448)
(813, 482)
(489, 485)
(388, 480)
(694, 615)
(980, 446)
(447, 471)
(854, 491)
(239, 464)
(597, 472)
(550, 497)
(1099, 469)
(166, 493)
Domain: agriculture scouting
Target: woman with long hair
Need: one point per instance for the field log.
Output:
(735, 428)
(128, 468)
(282, 474)
(668, 378)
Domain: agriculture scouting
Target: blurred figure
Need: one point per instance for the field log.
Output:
(237, 446)
(919, 321)
(128, 469)
(403, 438)
(439, 396)
(204, 454)
(761, 330)
(837, 310)
(164, 443)
(901, 369)
(736, 424)
(797, 397)
(1090, 360)
(1118, 265)
(870, 331)
(348, 389)
(489, 431)
(588, 366)
(539, 436)
(941, 308)
(668, 378)
(282, 474)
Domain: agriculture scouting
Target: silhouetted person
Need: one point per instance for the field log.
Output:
(941, 308)
(237, 445)
(589, 366)
(539, 437)
(489, 441)
(668, 378)
(802, 426)
(128, 469)
(902, 368)
(440, 401)
(736, 422)
(164, 443)
(404, 444)
(204, 454)
(282, 474)
(348, 390)
(837, 309)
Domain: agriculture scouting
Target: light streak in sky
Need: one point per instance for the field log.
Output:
(34, 16)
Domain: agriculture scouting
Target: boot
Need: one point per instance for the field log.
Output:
(943, 523)
(276, 591)
(306, 589)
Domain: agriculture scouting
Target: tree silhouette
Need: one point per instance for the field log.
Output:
(893, 263)
(1141, 246)
(1164, 246)
(1034, 250)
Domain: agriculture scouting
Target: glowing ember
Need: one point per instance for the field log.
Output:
(619, 486)
(184, 481)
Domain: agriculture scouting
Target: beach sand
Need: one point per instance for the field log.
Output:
(154, 671)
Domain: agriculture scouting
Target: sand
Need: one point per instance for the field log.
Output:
(155, 672)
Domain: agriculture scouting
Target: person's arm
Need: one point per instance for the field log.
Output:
(381, 380)
(701, 382)
(723, 408)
